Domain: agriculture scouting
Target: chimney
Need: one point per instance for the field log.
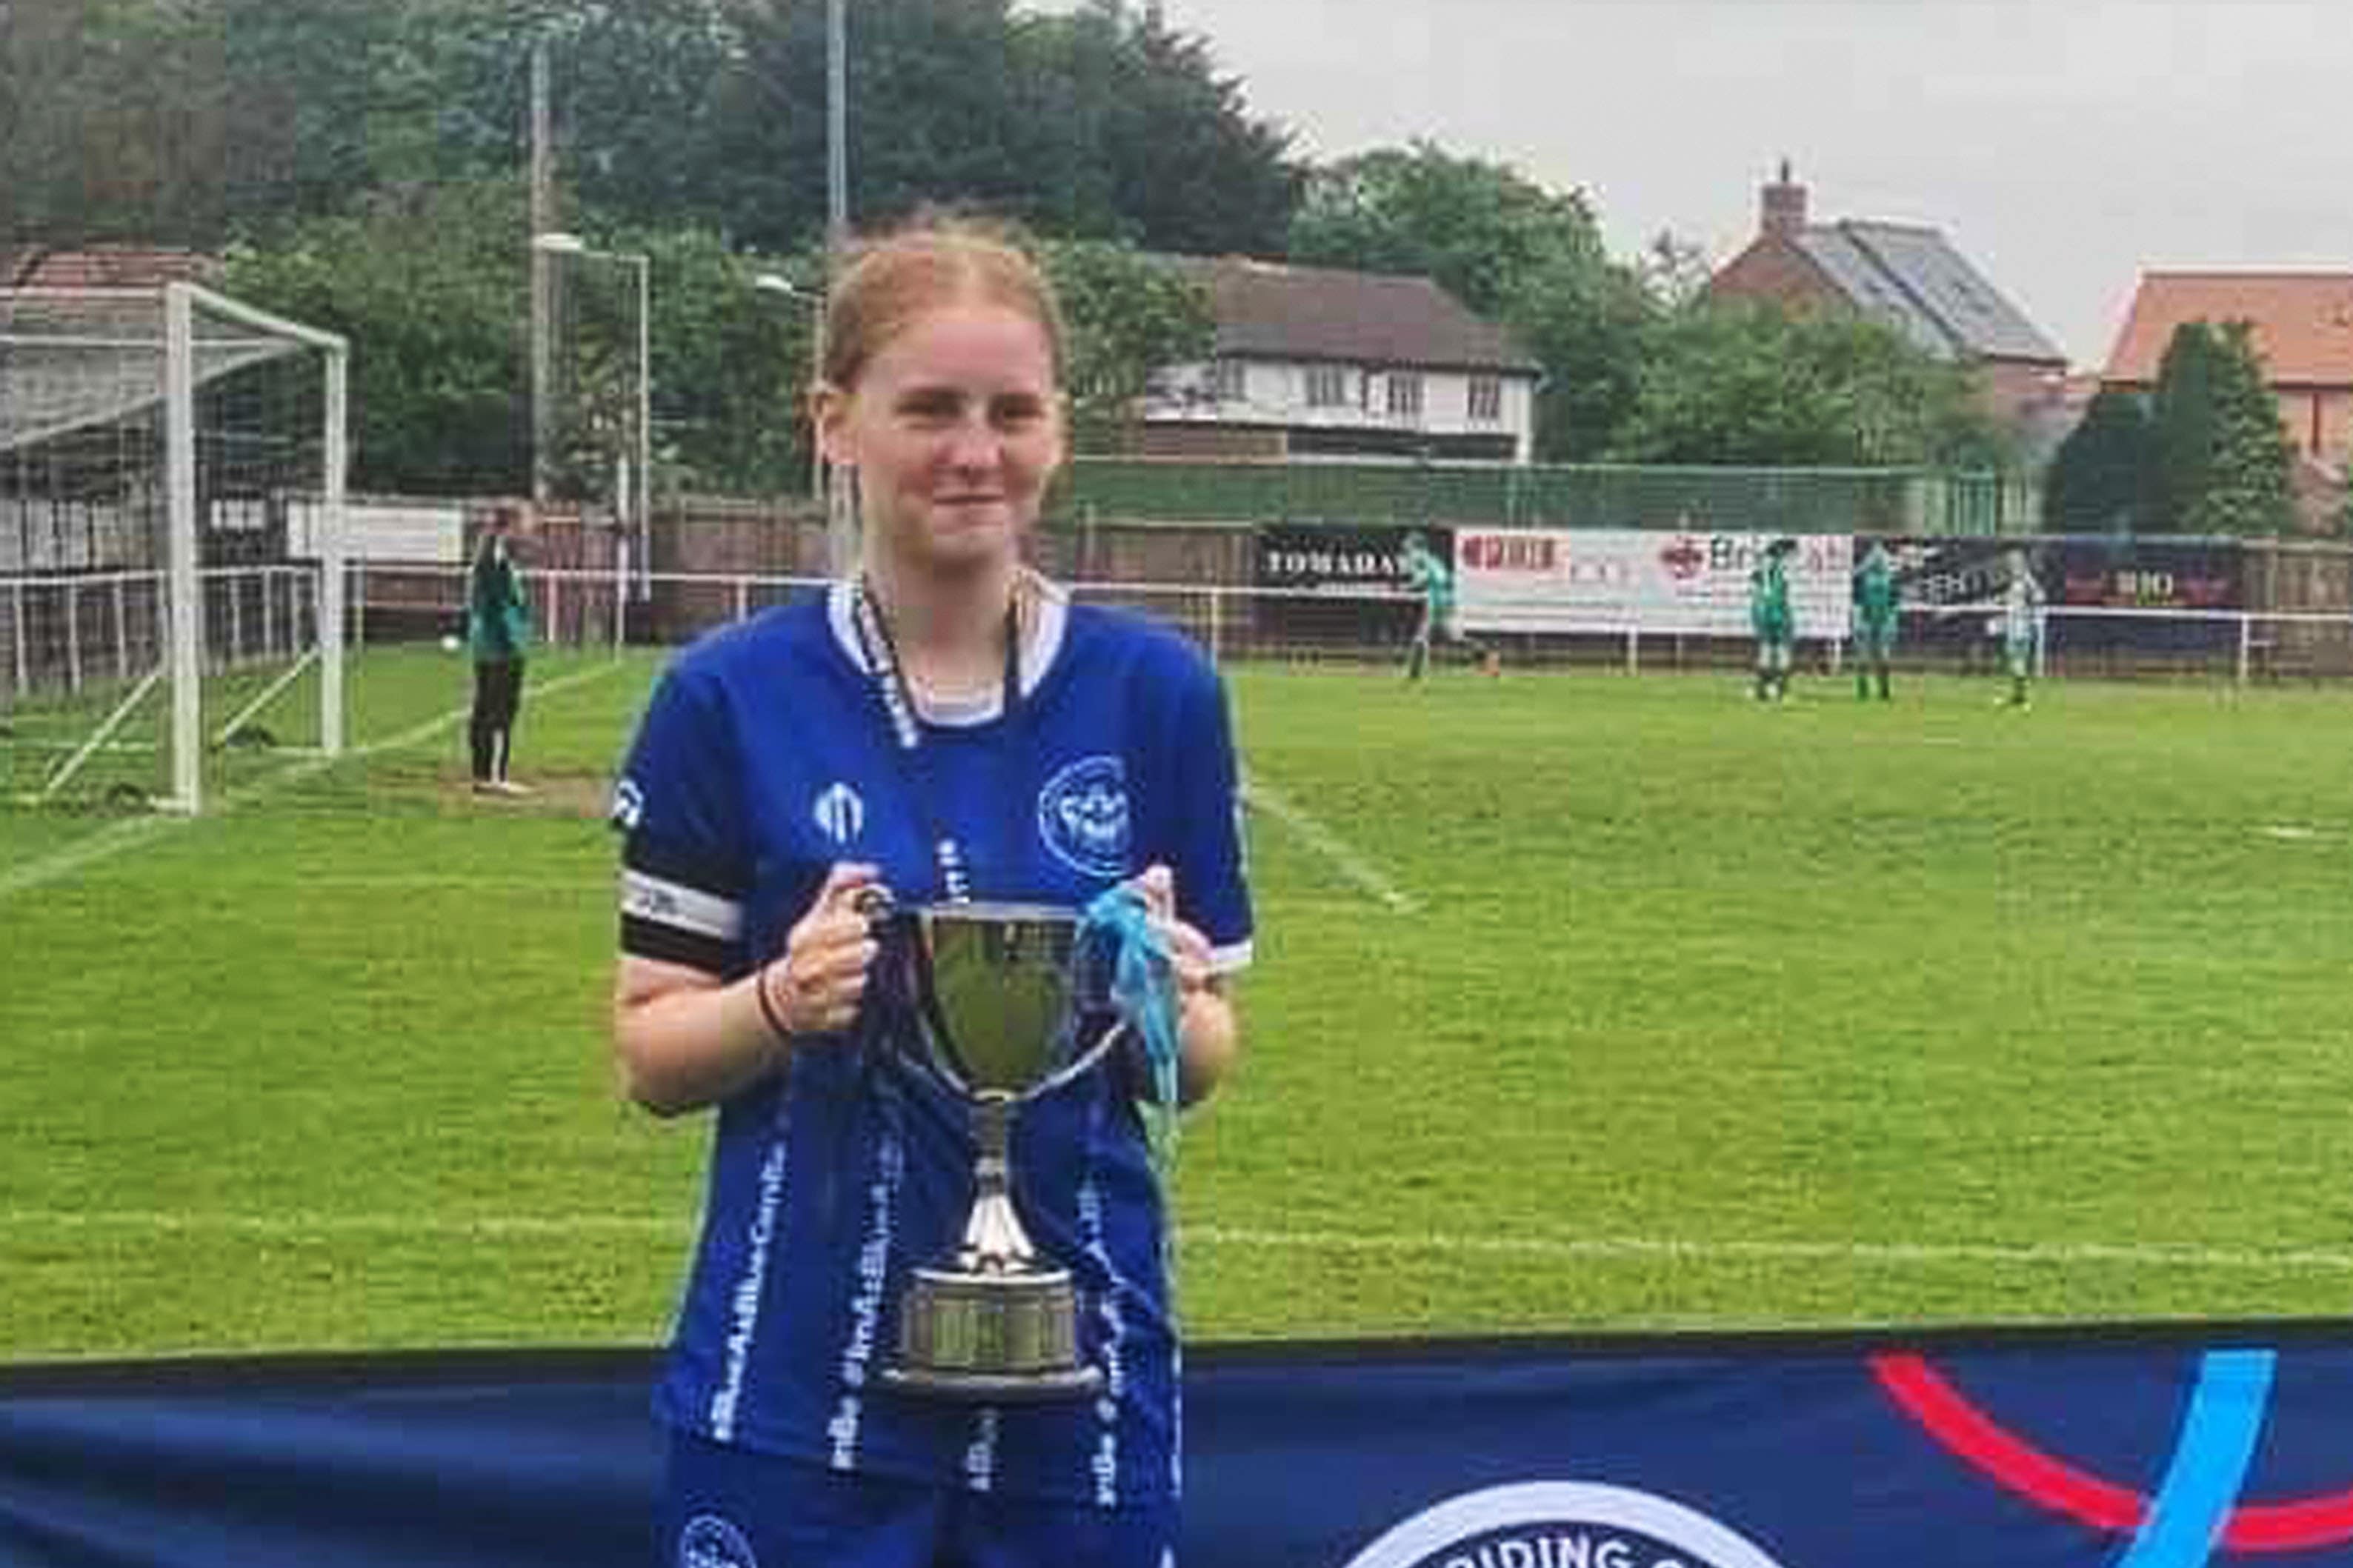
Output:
(1785, 205)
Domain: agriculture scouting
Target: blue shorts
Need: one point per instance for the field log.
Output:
(724, 1507)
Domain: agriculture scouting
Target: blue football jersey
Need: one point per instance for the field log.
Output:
(765, 756)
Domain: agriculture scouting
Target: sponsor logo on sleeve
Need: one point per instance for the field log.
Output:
(1561, 1524)
(839, 814)
(629, 805)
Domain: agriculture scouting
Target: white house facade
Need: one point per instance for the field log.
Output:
(1315, 362)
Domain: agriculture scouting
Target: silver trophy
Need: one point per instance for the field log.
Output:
(1007, 1001)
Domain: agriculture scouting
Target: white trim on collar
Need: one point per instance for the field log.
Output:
(1040, 647)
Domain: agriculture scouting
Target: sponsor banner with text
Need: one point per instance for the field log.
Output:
(2180, 1445)
(1648, 581)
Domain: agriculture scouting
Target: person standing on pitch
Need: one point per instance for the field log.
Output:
(945, 724)
(497, 633)
(1770, 619)
(1433, 579)
(1874, 612)
(2021, 628)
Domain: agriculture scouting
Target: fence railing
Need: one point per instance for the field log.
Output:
(64, 633)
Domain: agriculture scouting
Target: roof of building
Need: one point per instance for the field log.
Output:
(2303, 322)
(1913, 279)
(103, 267)
(1274, 309)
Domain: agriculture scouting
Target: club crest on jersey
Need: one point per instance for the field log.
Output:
(709, 1541)
(839, 814)
(1083, 816)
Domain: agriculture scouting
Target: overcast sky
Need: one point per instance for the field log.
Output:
(2061, 145)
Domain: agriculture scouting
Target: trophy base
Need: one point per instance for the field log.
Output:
(1008, 1336)
(987, 1388)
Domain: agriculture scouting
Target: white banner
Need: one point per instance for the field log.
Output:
(1613, 579)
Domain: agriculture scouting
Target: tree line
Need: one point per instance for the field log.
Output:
(2202, 452)
(363, 167)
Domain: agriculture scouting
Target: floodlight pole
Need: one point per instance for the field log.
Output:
(777, 283)
(637, 507)
(840, 516)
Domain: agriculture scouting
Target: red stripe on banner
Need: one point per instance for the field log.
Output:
(1973, 1435)
(1961, 1426)
(2292, 1526)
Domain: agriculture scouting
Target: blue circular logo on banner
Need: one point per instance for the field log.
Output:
(1536, 1523)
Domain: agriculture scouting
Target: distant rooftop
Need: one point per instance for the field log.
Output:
(2303, 322)
(1273, 310)
(1911, 278)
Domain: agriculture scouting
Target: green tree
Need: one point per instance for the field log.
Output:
(2222, 460)
(111, 124)
(1143, 139)
(1739, 381)
(1512, 251)
(1127, 316)
(429, 287)
(2247, 484)
(2182, 425)
(1478, 229)
(2099, 479)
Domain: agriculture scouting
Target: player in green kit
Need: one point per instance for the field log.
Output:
(1770, 619)
(1430, 577)
(1875, 620)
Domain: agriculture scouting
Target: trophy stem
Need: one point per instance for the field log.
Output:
(994, 1241)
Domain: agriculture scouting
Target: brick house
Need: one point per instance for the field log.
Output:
(1319, 361)
(2302, 330)
(1909, 277)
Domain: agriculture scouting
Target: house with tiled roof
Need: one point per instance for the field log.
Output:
(1312, 362)
(1909, 275)
(2302, 328)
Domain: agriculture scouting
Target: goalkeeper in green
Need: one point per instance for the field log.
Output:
(1430, 577)
(1770, 619)
(1874, 612)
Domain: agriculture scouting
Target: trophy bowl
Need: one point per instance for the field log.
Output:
(1001, 1002)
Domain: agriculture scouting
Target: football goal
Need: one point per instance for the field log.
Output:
(172, 469)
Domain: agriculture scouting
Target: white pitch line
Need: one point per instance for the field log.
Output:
(298, 1226)
(1557, 1249)
(1260, 795)
(2137, 1254)
(129, 835)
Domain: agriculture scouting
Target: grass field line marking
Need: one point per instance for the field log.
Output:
(1556, 1249)
(1260, 795)
(117, 838)
(297, 1226)
(2139, 1255)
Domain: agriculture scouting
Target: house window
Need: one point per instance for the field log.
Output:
(1327, 385)
(1405, 396)
(1225, 382)
(1486, 398)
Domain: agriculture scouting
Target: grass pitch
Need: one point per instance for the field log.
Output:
(1583, 1000)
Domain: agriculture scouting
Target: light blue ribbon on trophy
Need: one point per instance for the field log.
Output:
(1143, 989)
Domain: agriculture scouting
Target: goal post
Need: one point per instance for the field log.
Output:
(163, 620)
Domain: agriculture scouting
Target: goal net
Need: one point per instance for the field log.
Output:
(171, 585)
